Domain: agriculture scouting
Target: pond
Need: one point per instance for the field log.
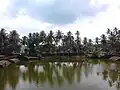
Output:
(87, 75)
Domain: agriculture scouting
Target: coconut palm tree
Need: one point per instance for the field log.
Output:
(43, 43)
(31, 45)
(37, 39)
(64, 43)
(97, 40)
(42, 37)
(70, 40)
(24, 40)
(90, 45)
(90, 42)
(97, 46)
(58, 38)
(78, 41)
(14, 41)
(113, 38)
(108, 31)
(103, 41)
(3, 40)
(85, 42)
(115, 31)
(50, 41)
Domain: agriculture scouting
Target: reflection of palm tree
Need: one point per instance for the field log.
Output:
(59, 78)
(78, 72)
(42, 78)
(49, 74)
(105, 75)
(118, 81)
(24, 76)
(3, 79)
(31, 72)
(12, 76)
(86, 67)
(69, 74)
(113, 77)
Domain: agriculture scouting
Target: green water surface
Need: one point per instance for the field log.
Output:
(87, 75)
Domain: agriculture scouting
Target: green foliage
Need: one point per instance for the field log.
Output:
(52, 42)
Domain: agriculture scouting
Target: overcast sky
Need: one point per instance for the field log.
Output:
(90, 17)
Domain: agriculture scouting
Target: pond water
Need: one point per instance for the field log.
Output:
(87, 75)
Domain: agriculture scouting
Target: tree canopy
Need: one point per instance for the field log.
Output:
(41, 42)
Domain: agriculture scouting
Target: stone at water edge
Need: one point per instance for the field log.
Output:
(14, 60)
(114, 58)
(4, 63)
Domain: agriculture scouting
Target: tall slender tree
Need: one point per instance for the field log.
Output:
(78, 41)
(58, 38)
(85, 42)
(50, 41)
(70, 40)
(103, 41)
(43, 37)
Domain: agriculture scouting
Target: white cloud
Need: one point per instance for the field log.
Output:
(24, 24)
(91, 26)
(95, 26)
(58, 12)
(109, 2)
(3, 5)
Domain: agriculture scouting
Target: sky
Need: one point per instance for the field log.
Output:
(90, 17)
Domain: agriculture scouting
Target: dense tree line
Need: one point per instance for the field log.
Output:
(53, 42)
(9, 43)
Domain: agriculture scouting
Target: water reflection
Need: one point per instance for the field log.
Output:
(58, 75)
(9, 76)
